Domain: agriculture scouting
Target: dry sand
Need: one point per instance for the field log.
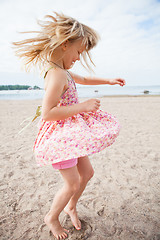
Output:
(121, 201)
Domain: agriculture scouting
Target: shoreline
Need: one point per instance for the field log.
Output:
(105, 96)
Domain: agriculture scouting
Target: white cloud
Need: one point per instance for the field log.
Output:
(130, 34)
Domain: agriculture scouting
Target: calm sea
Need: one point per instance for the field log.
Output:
(84, 91)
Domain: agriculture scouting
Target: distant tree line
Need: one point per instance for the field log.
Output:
(17, 87)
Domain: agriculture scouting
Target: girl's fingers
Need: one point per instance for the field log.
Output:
(121, 82)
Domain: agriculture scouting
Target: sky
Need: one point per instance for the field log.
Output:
(129, 47)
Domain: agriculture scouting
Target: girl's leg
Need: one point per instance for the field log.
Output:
(71, 186)
(85, 173)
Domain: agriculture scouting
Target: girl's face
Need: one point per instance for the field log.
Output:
(72, 53)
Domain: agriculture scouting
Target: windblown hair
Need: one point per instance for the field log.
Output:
(38, 50)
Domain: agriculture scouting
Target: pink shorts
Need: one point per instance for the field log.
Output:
(65, 164)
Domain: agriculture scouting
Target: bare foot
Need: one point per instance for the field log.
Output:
(55, 227)
(74, 217)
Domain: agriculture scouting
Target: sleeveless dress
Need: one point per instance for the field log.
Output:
(79, 135)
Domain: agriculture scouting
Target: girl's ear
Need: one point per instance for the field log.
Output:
(64, 45)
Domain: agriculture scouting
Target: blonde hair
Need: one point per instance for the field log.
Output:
(37, 50)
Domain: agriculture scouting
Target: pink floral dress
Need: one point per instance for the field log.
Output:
(82, 134)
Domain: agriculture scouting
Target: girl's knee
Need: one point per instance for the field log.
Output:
(91, 174)
(74, 186)
(87, 176)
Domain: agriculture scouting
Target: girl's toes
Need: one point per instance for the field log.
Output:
(64, 236)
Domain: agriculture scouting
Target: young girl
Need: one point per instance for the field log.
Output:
(69, 131)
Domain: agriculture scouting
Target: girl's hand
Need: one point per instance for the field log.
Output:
(90, 105)
(119, 81)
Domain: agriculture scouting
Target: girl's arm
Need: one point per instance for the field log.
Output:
(50, 111)
(96, 81)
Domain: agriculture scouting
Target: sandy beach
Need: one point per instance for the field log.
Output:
(121, 201)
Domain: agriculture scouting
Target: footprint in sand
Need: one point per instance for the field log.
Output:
(84, 233)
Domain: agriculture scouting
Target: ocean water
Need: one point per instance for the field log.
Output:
(84, 91)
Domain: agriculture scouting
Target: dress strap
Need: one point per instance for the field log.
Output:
(51, 68)
(72, 79)
(47, 71)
